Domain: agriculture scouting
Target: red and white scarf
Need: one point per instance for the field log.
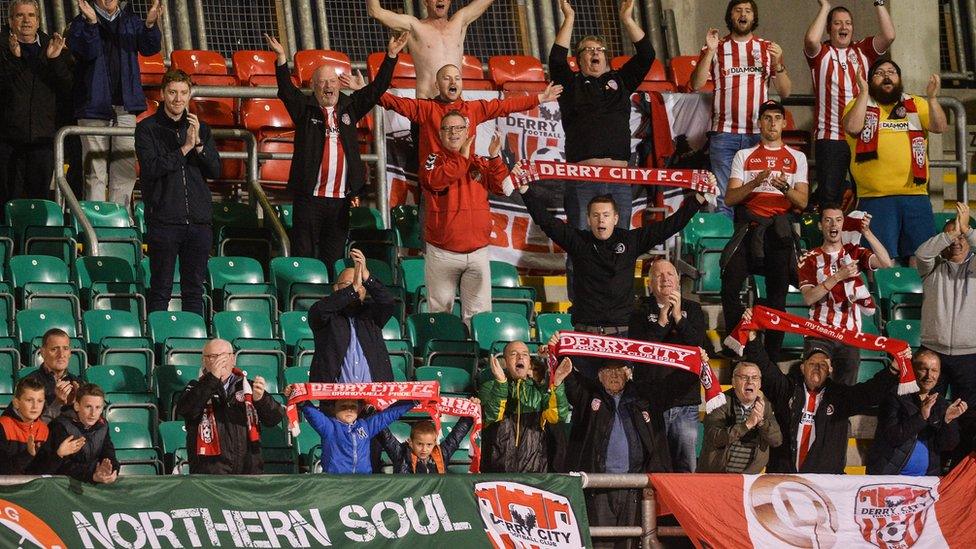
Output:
(867, 142)
(696, 180)
(463, 407)
(771, 319)
(208, 441)
(380, 395)
(682, 357)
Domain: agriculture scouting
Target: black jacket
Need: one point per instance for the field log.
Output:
(787, 394)
(593, 415)
(400, 453)
(14, 457)
(32, 86)
(98, 446)
(596, 110)
(52, 408)
(690, 330)
(603, 280)
(238, 455)
(900, 425)
(174, 186)
(329, 320)
(310, 125)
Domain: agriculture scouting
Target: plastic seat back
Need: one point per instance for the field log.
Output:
(489, 328)
(308, 61)
(251, 63)
(231, 325)
(424, 327)
(517, 72)
(195, 62)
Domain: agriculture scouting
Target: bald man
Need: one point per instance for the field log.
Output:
(435, 40)
(224, 412)
(326, 174)
(665, 317)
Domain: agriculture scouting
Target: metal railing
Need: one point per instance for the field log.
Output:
(66, 197)
(648, 531)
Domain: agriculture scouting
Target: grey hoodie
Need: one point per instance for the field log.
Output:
(949, 305)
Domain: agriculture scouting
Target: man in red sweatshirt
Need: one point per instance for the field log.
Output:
(455, 184)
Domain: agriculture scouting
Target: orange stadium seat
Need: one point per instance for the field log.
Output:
(681, 69)
(151, 107)
(473, 74)
(217, 112)
(654, 80)
(276, 171)
(255, 67)
(404, 74)
(517, 73)
(306, 61)
(206, 68)
(152, 69)
(266, 117)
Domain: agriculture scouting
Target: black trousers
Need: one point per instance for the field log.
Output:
(614, 507)
(25, 170)
(191, 245)
(320, 227)
(775, 268)
(833, 159)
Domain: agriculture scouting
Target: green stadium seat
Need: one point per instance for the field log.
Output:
(117, 234)
(364, 217)
(237, 232)
(109, 283)
(143, 414)
(452, 380)
(412, 278)
(462, 355)
(518, 299)
(870, 366)
(170, 381)
(246, 330)
(406, 223)
(238, 284)
(402, 365)
(271, 373)
(179, 326)
(900, 293)
(133, 442)
(32, 323)
(377, 268)
(300, 281)
(117, 379)
(27, 216)
(489, 329)
(295, 374)
(941, 218)
(810, 230)
(709, 284)
(6, 382)
(704, 225)
(284, 212)
(547, 324)
(296, 333)
(504, 274)
(422, 328)
(378, 246)
(140, 468)
(107, 329)
(41, 281)
(139, 216)
(302, 446)
(276, 450)
(172, 438)
(909, 331)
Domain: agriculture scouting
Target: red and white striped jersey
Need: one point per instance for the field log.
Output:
(332, 170)
(766, 200)
(844, 303)
(741, 72)
(834, 73)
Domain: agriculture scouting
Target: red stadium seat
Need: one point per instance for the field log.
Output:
(647, 86)
(217, 112)
(152, 69)
(796, 138)
(404, 74)
(250, 64)
(151, 107)
(473, 74)
(681, 69)
(656, 74)
(572, 63)
(231, 169)
(306, 61)
(517, 73)
(276, 171)
(266, 117)
(198, 62)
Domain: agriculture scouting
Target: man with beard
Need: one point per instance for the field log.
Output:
(887, 131)
(767, 182)
(521, 412)
(830, 281)
(946, 263)
(348, 330)
(836, 65)
(741, 65)
(435, 40)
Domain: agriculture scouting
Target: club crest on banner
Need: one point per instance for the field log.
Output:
(520, 516)
(28, 526)
(892, 516)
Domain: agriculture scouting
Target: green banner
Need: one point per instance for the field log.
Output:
(456, 511)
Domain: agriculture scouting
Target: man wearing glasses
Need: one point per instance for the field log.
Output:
(222, 410)
(457, 223)
(595, 108)
(739, 434)
(887, 131)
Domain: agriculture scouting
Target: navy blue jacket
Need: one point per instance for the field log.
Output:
(900, 425)
(92, 90)
(345, 448)
(400, 452)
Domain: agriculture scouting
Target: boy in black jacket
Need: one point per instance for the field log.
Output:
(25, 444)
(420, 454)
(96, 461)
(177, 154)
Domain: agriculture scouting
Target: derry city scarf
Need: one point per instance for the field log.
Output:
(696, 180)
(208, 441)
(905, 119)
(462, 407)
(380, 395)
(682, 357)
(771, 319)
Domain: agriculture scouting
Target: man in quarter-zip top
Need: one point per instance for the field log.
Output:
(177, 154)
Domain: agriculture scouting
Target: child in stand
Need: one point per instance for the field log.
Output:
(346, 438)
(420, 454)
(96, 462)
(25, 444)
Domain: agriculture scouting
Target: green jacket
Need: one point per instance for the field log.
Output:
(522, 397)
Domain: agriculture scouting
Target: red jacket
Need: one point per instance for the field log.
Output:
(456, 197)
(428, 113)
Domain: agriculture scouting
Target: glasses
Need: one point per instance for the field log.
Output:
(454, 129)
(884, 73)
(748, 378)
(214, 356)
(593, 49)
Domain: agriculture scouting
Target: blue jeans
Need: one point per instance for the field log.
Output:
(721, 149)
(902, 223)
(576, 198)
(681, 426)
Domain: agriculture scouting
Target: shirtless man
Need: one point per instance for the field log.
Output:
(434, 41)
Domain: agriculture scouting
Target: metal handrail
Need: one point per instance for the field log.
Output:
(66, 196)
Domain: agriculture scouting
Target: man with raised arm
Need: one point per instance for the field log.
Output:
(835, 66)
(435, 40)
(595, 108)
(742, 66)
